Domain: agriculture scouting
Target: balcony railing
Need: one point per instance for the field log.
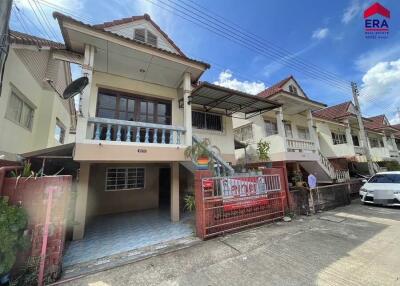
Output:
(300, 144)
(359, 150)
(393, 153)
(132, 131)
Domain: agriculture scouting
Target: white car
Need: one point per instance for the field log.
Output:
(383, 188)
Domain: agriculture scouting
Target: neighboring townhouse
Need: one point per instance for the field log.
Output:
(32, 113)
(143, 107)
(382, 139)
(291, 132)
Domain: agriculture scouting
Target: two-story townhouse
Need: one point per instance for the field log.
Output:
(142, 108)
(382, 138)
(31, 108)
(291, 131)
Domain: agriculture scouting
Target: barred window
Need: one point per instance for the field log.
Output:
(202, 120)
(244, 133)
(339, 138)
(118, 179)
(292, 89)
(270, 127)
(140, 35)
(151, 39)
(59, 131)
(376, 143)
(19, 111)
(303, 133)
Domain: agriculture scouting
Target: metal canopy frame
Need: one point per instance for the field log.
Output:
(212, 96)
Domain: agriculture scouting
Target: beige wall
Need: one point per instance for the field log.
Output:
(327, 147)
(106, 202)
(46, 103)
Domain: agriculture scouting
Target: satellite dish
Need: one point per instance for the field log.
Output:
(75, 87)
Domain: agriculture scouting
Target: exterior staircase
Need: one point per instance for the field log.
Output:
(222, 168)
(325, 171)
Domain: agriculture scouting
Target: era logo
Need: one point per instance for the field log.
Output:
(376, 24)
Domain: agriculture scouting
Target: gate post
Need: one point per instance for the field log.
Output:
(199, 199)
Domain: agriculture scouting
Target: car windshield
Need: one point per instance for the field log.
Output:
(385, 179)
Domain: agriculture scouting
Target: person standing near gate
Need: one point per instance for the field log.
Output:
(312, 184)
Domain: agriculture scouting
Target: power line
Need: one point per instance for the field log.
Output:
(46, 21)
(248, 44)
(20, 19)
(38, 19)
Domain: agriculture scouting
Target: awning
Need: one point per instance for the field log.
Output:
(64, 151)
(212, 97)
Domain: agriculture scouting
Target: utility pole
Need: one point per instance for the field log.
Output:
(5, 13)
(362, 130)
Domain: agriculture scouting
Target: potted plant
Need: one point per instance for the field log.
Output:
(13, 222)
(263, 152)
(190, 203)
(200, 154)
(298, 179)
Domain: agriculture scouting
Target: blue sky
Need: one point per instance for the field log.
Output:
(327, 34)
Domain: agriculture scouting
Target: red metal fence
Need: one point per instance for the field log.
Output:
(226, 204)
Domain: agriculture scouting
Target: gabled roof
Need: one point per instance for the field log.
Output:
(378, 123)
(138, 18)
(61, 18)
(334, 112)
(25, 39)
(278, 87)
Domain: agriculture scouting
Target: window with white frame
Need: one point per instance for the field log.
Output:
(145, 36)
(59, 132)
(204, 120)
(19, 111)
(288, 130)
(118, 179)
(303, 133)
(338, 138)
(244, 133)
(375, 142)
(270, 127)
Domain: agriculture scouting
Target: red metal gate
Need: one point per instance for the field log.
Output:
(226, 204)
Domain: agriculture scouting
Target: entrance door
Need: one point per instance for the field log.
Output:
(164, 187)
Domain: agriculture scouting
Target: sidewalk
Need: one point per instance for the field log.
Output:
(352, 245)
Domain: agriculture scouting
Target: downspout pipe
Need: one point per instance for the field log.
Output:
(3, 171)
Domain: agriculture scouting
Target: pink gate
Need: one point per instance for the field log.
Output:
(225, 204)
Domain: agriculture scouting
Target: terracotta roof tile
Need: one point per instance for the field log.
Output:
(376, 122)
(274, 89)
(137, 18)
(334, 112)
(25, 39)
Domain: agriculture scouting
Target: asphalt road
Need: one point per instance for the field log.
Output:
(353, 245)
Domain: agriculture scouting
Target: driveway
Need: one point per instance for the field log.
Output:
(352, 245)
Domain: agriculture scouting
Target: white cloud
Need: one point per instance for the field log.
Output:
(351, 11)
(371, 58)
(320, 33)
(380, 87)
(226, 79)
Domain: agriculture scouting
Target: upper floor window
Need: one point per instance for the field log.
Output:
(288, 130)
(356, 142)
(270, 127)
(339, 138)
(244, 133)
(123, 106)
(59, 132)
(19, 111)
(303, 133)
(292, 89)
(203, 120)
(376, 143)
(145, 36)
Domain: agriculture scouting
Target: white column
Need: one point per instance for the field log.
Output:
(312, 130)
(385, 142)
(187, 108)
(82, 189)
(280, 125)
(84, 102)
(349, 138)
(394, 142)
(175, 191)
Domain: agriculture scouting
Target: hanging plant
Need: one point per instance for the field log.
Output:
(263, 150)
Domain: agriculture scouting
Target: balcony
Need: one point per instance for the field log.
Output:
(359, 150)
(300, 145)
(133, 132)
(393, 153)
